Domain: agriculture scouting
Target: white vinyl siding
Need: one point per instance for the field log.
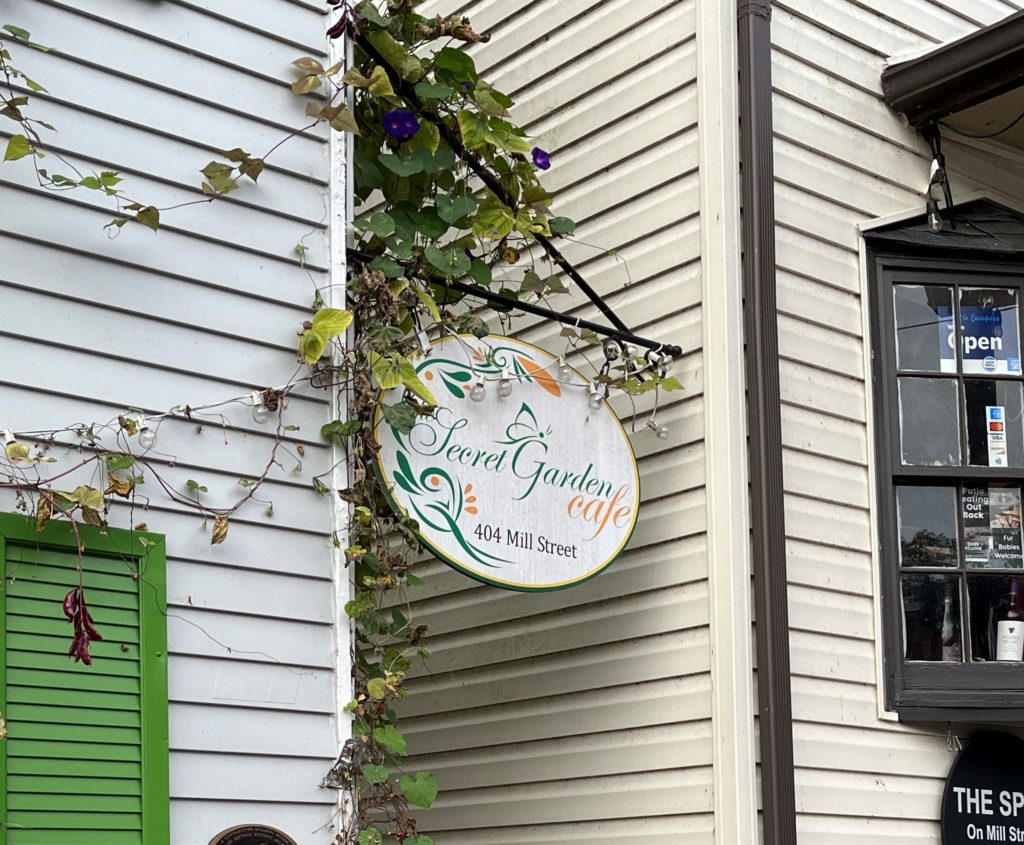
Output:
(843, 158)
(204, 310)
(584, 715)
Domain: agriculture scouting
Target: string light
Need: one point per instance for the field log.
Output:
(479, 391)
(260, 411)
(504, 385)
(147, 435)
(596, 397)
(660, 431)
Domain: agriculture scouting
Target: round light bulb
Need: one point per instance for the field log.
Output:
(260, 413)
(564, 371)
(504, 388)
(147, 438)
(479, 392)
(934, 223)
(595, 399)
(661, 432)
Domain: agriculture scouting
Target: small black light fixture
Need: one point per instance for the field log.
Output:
(938, 184)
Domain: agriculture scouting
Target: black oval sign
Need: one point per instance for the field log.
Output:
(252, 834)
(984, 797)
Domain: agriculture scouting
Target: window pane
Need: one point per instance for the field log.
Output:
(931, 617)
(994, 600)
(991, 523)
(988, 323)
(929, 423)
(994, 434)
(927, 522)
(924, 323)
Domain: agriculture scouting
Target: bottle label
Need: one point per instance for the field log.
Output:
(1010, 640)
(951, 653)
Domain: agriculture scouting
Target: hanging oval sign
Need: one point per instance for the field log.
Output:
(525, 487)
(984, 796)
(252, 834)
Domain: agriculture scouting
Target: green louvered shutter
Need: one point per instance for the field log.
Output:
(85, 761)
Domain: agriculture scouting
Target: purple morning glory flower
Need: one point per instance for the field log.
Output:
(541, 159)
(400, 124)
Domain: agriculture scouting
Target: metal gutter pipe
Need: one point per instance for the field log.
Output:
(767, 507)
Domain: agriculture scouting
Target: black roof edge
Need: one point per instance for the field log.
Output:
(960, 74)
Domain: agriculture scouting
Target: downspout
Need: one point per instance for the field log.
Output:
(767, 509)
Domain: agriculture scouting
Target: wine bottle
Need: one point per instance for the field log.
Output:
(1010, 627)
(951, 652)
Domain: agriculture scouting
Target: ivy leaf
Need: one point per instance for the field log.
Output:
(380, 224)
(385, 370)
(430, 305)
(377, 688)
(473, 128)
(562, 226)
(451, 209)
(480, 272)
(91, 182)
(220, 530)
(494, 220)
(331, 322)
(309, 64)
(388, 737)
(451, 261)
(401, 167)
(149, 216)
(340, 428)
(420, 789)
(306, 84)
(400, 415)
(87, 497)
(380, 84)
(671, 383)
(411, 379)
(251, 168)
(17, 147)
(436, 91)
(458, 64)
(375, 774)
(370, 836)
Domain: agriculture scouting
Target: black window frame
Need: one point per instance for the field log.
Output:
(968, 691)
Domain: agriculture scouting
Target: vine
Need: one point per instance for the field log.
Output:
(448, 188)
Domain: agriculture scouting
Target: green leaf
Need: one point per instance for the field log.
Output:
(506, 136)
(390, 268)
(388, 737)
(451, 209)
(309, 64)
(410, 378)
(400, 415)
(340, 428)
(562, 225)
(306, 84)
(34, 86)
(116, 462)
(311, 346)
(87, 497)
(370, 836)
(369, 11)
(480, 272)
(362, 603)
(377, 688)
(331, 322)
(395, 55)
(451, 261)
(429, 224)
(385, 370)
(375, 774)
(17, 147)
(236, 154)
(18, 32)
(380, 224)
(473, 127)
(430, 305)
(401, 167)
(217, 169)
(436, 91)
(149, 216)
(251, 168)
(457, 63)
(671, 383)
(108, 178)
(91, 182)
(494, 220)
(419, 840)
(380, 84)
(491, 100)
(420, 789)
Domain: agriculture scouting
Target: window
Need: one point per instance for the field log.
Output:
(86, 756)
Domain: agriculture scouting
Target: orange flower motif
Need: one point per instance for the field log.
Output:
(428, 375)
(541, 377)
(478, 355)
(435, 481)
(471, 510)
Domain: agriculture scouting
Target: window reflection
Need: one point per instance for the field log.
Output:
(929, 422)
(927, 523)
(923, 327)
